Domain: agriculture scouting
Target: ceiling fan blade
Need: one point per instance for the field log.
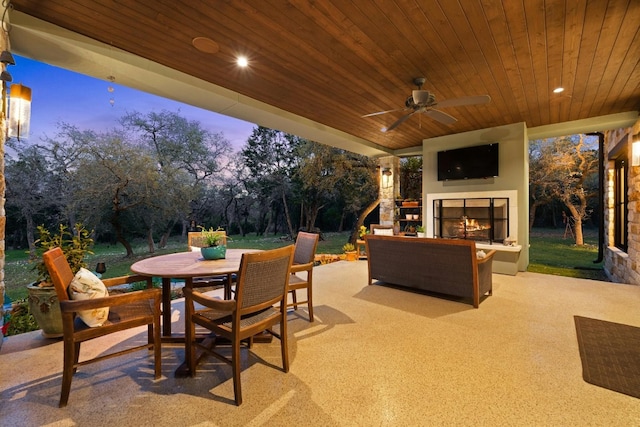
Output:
(465, 100)
(383, 112)
(400, 121)
(441, 116)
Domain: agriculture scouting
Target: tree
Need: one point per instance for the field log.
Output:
(566, 168)
(118, 183)
(28, 180)
(327, 175)
(269, 159)
(182, 148)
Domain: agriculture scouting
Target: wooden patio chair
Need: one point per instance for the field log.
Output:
(303, 262)
(127, 310)
(262, 283)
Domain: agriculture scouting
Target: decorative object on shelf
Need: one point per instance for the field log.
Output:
(350, 252)
(509, 241)
(420, 231)
(410, 204)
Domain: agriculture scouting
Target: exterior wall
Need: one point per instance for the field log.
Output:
(513, 170)
(619, 266)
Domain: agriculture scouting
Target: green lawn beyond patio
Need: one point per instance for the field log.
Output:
(549, 254)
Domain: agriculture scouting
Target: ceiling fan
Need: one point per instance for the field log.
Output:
(423, 101)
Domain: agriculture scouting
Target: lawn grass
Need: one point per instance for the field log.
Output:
(551, 253)
(19, 273)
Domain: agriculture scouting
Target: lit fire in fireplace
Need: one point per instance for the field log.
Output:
(473, 224)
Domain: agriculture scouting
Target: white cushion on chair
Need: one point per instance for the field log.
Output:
(86, 285)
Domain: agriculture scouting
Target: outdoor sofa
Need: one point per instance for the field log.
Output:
(444, 266)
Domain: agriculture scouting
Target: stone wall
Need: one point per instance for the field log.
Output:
(619, 266)
(390, 189)
(3, 127)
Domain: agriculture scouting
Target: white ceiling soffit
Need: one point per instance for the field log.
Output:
(43, 42)
(593, 124)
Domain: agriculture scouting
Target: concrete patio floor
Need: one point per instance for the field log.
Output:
(374, 356)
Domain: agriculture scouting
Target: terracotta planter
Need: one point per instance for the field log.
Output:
(351, 255)
(45, 307)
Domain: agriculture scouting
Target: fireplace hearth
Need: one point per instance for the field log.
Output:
(479, 219)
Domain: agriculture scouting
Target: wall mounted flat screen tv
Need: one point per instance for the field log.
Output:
(468, 163)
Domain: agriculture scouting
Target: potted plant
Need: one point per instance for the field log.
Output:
(362, 231)
(213, 243)
(349, 251)
(420, 231)
(43, 300)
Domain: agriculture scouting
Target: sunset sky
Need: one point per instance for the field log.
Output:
(59, 95)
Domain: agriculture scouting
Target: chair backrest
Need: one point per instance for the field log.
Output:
(60, 272)
(195, 240)
(263, 279)
(306, 244)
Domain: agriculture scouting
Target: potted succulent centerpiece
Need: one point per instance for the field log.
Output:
(213, 243)
(43, 300)
(349, 251)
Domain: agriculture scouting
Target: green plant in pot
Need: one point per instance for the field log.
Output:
(420, 230)
(43, 300)
(213, 243)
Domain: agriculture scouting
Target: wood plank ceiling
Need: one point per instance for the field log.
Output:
(333, 61)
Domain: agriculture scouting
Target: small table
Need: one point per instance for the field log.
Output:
(187, 266)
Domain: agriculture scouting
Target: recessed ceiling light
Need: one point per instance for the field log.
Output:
(205, 44)
(242, 61)
(558, 90)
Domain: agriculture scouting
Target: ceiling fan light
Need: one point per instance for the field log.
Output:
(420, 96)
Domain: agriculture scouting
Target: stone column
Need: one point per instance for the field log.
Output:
(3, 126)
(389, 188)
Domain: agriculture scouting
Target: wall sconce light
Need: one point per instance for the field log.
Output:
(635, 150)
(19, 119)
(387, 180)
(5, 76)
(6, 58)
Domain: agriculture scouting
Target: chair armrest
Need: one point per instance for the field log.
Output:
(209, 302)
(72, 306)
(487, 257)
(296, 268)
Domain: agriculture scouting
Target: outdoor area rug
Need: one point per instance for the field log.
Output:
(610, 354)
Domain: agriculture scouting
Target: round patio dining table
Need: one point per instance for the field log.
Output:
(187, 266)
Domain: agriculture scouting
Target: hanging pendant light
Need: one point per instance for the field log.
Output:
(19, 120)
